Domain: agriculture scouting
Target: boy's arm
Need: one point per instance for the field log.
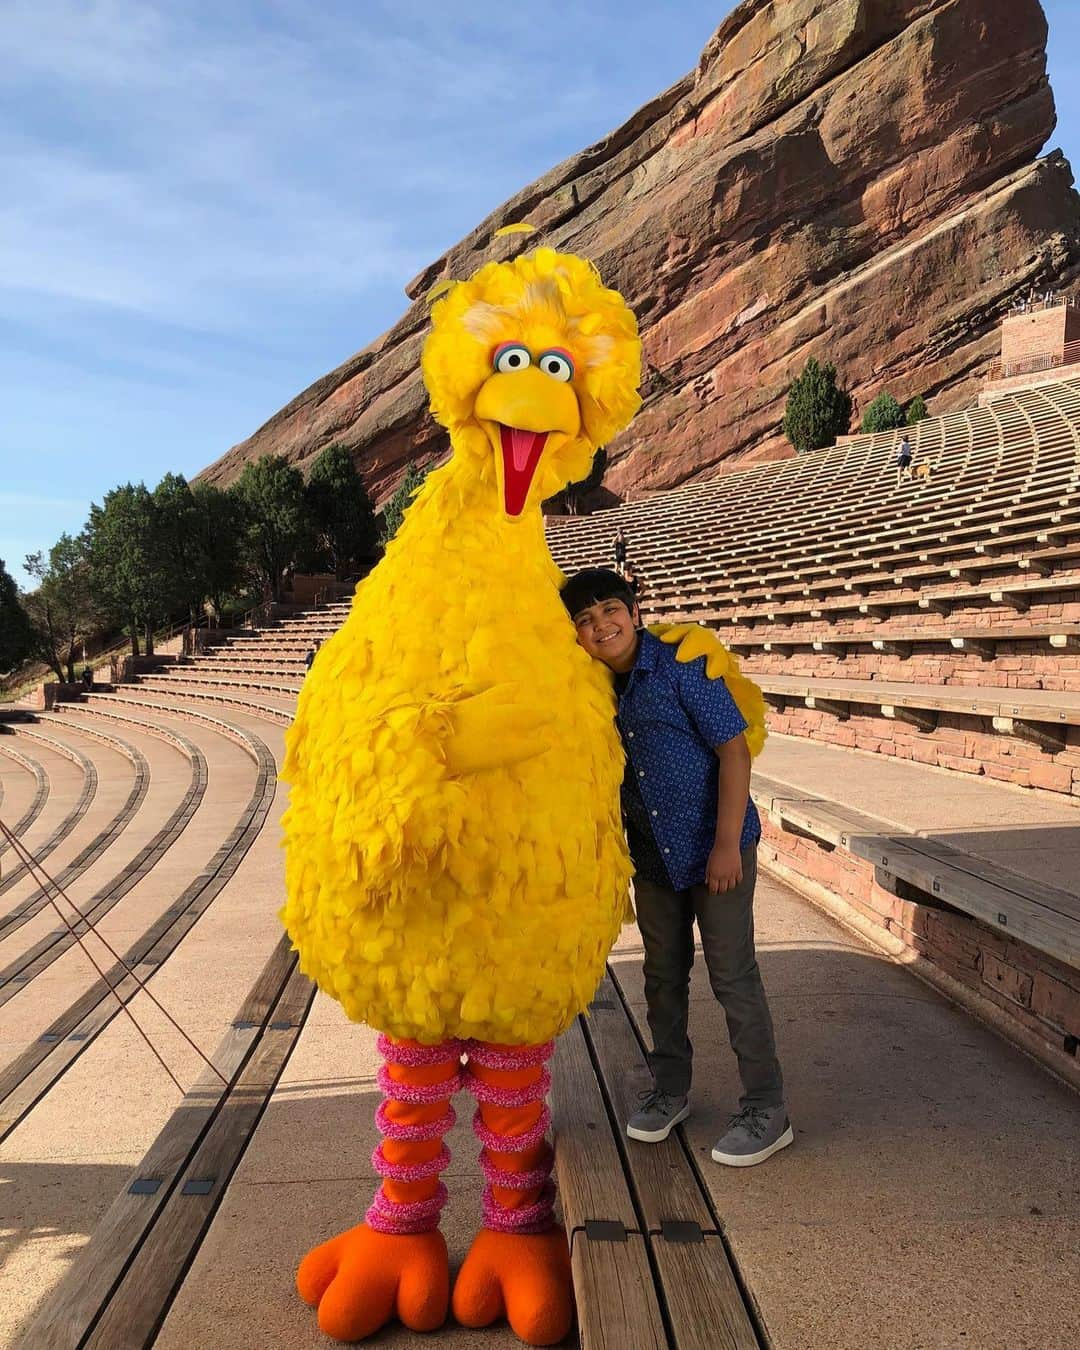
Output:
(723, 871)
(720, 724)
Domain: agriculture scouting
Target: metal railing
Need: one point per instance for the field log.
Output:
(1068, 355)
(1038, 306)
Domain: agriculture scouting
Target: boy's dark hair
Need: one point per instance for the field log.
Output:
(594, 585)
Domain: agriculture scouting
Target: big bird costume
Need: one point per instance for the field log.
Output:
(456, 869)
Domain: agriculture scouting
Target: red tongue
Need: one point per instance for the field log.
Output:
(521, 453)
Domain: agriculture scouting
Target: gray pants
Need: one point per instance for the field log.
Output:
(726, 924)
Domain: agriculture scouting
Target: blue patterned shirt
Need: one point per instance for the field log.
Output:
(671, 718)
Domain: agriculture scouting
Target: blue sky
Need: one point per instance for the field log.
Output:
(206, 206)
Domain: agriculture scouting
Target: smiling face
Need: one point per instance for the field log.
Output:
(535, 364)
(608, 631)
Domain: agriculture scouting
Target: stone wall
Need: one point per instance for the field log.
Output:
(1040, 334)
(964, 744)
(1034, 998)
(996, 388)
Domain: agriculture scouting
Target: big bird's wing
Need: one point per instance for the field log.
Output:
(492, 729)
(720, 664)
(379, 788)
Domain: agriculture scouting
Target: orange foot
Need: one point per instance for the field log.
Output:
(525, 1278)
(363, 1278)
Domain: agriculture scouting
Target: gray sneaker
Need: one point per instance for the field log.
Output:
(657, 1116)
(754, 1134)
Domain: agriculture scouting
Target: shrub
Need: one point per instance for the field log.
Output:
(916, 410)
(818, 410)
(884, 414)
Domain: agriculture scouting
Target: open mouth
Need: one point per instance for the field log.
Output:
(521, 451)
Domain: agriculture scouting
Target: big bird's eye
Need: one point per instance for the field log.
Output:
(557, 364)
(511, 356)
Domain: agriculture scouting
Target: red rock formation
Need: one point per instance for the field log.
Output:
(849, 179)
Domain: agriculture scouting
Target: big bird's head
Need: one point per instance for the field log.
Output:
(532, 365)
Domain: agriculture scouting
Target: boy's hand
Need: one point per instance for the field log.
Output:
(723, 871)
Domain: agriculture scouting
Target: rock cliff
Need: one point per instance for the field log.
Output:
(850, 179)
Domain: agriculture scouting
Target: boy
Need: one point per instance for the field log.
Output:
(692, 831)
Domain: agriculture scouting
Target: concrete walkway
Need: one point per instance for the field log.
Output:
(932, 1197)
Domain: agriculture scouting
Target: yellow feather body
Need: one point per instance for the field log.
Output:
(431, 905)
(434, 900)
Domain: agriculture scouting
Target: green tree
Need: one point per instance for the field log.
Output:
(16, 633)
(217, 526)
(818, 410)
(394, 509)
(179, 544)
(342, 516)
(129, 576)
(276, 518)
(883, 414)
(916, 410)
(62, 609)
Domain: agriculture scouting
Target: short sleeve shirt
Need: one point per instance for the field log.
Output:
(671, 718)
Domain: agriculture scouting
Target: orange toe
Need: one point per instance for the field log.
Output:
(524, 1277)
(363, 1278)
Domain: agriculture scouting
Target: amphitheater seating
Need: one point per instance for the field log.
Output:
(934, 621)
(939, 623)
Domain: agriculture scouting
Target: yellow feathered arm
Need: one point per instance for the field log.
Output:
(720, 664)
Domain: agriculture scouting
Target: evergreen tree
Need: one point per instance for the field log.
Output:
(916, 410)
(394, 509)
(817, 409)
(342, 515)
(217, 525)
(276, 518)
(16, 634)
(62, 610)
(178, 544)
(130, 578)
(883, 414)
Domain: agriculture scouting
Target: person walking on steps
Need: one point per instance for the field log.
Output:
(904, 457)
(620, 551)
(693, 832)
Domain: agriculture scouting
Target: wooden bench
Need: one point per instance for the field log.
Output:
(649, 1261)
(119, 1286)
(981, 640)
(1030, 714)
(1043, 916)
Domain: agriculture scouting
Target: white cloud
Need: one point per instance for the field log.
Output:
(171, 154)
(165, 166)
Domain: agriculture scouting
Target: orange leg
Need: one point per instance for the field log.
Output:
(395, 1263)
(519, 1263)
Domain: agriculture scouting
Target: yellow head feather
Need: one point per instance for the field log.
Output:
(543, 299)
